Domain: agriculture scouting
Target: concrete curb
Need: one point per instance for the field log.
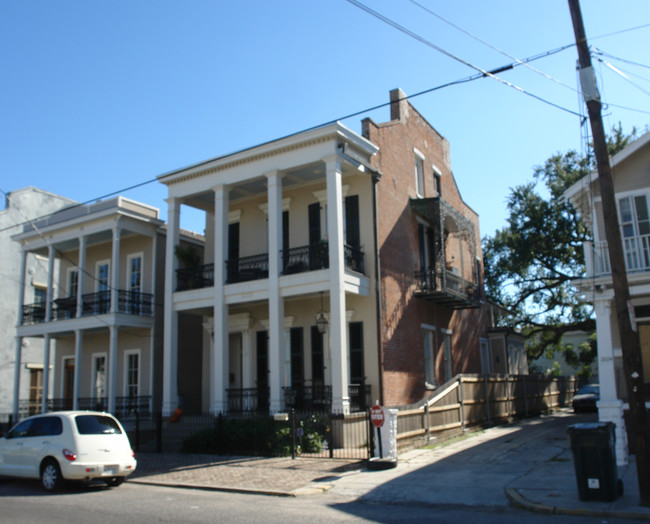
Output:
(210, 487)
(517, 500)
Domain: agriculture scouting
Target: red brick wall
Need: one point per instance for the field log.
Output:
(403, 313)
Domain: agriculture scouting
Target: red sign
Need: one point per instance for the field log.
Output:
(377, 415)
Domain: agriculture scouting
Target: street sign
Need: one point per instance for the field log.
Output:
(377, 415)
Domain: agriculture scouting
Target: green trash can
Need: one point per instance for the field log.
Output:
(594, 459)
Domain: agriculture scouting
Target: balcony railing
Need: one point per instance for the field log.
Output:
(134, 303)
(636, 251)
(256, 267)
(129, 302)
(248, 400)
(244, 269)
(446, 288)
(309, 396)
(196, 277)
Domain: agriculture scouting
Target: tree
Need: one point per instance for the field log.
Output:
(530, 263)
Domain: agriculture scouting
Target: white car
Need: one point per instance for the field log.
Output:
(68, 445)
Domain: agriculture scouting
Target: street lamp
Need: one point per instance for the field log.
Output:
(321, 319)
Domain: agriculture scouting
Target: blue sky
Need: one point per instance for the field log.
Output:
(97, 96)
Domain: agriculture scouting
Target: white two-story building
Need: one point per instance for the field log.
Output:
(631, 172)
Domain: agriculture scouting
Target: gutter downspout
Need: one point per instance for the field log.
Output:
(376, 177)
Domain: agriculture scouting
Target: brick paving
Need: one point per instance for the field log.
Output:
(280, 476)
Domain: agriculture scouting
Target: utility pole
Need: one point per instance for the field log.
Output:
(630, 344)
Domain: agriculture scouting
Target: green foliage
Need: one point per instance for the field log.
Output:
(530, 263)
(260, 436)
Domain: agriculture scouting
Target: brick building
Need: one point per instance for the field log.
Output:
(434, 319)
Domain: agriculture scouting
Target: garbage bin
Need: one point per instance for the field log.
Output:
(594, 459)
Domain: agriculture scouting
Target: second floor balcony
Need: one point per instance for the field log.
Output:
(256, 267)
(446, 288)
(99, 303)
(636, 252)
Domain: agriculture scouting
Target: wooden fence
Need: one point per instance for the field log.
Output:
(475, 400)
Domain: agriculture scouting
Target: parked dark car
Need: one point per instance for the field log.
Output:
(586, 398)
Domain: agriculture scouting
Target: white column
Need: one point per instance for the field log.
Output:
(50, 284)
(21, 286)
(276, 303)
(219, 357)
(112, 368)
(115, 271)
(610, 407)
(46, 372)
(81, 279)
(78, 343)
(337, 328)
(170, 329)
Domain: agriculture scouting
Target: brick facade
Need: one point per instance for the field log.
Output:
(400, 140)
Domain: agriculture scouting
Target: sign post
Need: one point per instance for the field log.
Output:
(377, 418)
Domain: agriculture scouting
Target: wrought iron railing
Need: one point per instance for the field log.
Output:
(98, 303)
(360, 397)
(431, 280)
(196, 277)
(353, 258)
(305, 258)
(33, 313)
(135, 303)
(64, 308)
(126, 406)
(248, 400)
(255, 267)
(310, 396)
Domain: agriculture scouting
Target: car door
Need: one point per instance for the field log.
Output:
(43, 431)
(12, 449)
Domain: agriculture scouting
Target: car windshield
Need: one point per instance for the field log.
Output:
(96, 425)
(586, 390)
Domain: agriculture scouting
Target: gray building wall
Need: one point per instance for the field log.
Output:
(20, 206)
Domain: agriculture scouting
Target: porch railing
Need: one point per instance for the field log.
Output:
(310, 396)
(196, 277)
(135, 303)
(255, 267)
(248, 400)
(636, 251)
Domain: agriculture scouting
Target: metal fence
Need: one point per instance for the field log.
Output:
(463, 402)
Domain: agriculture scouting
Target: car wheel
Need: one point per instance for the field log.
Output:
(51, 478)
(113, 482)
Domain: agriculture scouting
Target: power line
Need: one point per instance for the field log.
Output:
(471, 35)
(428, 43)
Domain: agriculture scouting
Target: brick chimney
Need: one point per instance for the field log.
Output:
(398, 105)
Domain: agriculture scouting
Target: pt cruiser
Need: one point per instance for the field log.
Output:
(68, 445)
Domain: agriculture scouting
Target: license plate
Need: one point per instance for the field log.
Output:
(110, 470)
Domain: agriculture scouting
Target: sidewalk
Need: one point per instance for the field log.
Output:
(527, 464)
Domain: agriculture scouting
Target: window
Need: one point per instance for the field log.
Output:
(419, 174)
(35, 390)
(135, 273)
(40, 295)
(297, 359)
(428, 339)
(437, 182)
(99, 377)
(73, 282)
(635, 229)
(317, 357)
(352, 232)
(132, 372)
(102, 275)
(446, 340)
(357, 373)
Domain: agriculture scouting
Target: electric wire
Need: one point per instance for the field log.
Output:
(475, 37)
(428, 43)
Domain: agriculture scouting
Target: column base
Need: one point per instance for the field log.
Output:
(612, 411)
